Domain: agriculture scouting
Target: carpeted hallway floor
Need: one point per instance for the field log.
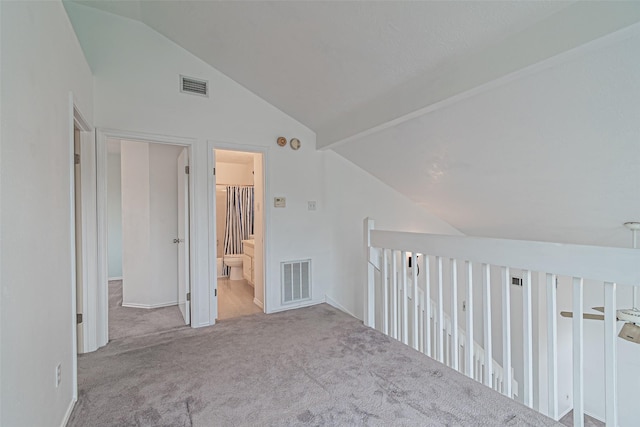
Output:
(312, 366)
(129, 321)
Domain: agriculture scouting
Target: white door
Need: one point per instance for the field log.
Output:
(184, 297)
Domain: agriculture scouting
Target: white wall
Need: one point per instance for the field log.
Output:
(41, 62)
(232, 114)
(114, 216)
(351, 195)
(149, 224)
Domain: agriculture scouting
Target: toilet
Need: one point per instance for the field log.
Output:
(234, 262)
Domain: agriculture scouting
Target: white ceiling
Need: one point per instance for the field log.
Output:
(547, 155)
(318, 60)
(552, 155)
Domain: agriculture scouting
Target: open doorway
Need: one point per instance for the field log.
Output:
(147, 237)
(239, 230)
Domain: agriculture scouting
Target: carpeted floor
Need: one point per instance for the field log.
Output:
(129, 321)
(312, 366)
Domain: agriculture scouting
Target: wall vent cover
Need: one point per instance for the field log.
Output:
(296, 280)
(194, 86)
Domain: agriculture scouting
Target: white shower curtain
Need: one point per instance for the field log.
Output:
(239, 221)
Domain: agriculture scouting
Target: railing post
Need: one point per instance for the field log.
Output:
(506, 332)
(486, 303)
(468, 351)
(385, 292)
(527, 334)
(370, 290)
(455, 358)
(427, 306)
(610, 354)
(394, 296)
(440, 330)
(405, 299)
(578, 360)
(552, 345)
(416, 317)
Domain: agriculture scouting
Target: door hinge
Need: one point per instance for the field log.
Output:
(76, 159)
(214, 171)
(78, 318)
(215, 292)
(186, 170)
(188, 296)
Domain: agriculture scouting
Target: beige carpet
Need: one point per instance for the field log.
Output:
(130, 322)
(314, 366)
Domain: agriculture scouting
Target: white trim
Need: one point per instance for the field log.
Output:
(257, 302)
(190, 144)
(68, 412)
(295, 307)
(115, 278)
(211, 183)
(150, 306)
(335, 304)
(76, 119)
(565, 412)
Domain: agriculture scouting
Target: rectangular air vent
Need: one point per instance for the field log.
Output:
(296, 281)
(194, 86)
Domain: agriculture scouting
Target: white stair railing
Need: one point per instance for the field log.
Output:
(424, 325)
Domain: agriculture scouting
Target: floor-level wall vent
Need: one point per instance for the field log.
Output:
(296, 280)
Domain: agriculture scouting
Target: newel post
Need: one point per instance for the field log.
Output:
(369, 290)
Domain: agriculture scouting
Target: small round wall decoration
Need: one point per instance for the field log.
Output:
(282, 141)
(295, 143)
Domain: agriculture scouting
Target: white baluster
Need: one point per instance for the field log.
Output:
(370, 304)
(527, 334)
(440, 331)
(454, 315)
(578, 359)
(405, 299)
(506, 331)
(469, 364)
(486, 309)
(394, 296)
(414, 270)
(610, 354)
(385, 292)
(552, 348)
(427, 305)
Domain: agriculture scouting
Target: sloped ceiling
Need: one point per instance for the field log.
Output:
(430, 97)
(318, 61)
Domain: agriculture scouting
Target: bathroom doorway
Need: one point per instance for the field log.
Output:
(239, 231)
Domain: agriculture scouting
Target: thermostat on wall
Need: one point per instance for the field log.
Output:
(280, 202)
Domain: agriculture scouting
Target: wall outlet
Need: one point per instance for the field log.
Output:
(58, 374)
(516, 281)
(311, 205)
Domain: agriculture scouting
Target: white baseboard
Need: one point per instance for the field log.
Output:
(293, 307)
(149, 306)
(564, 413)
(67, 414)
(334, 303)
(257, 302)
(602, 420)
(115, 278)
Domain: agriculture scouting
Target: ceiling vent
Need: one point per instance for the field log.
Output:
(194, 86)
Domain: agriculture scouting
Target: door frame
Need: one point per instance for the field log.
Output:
(103, 135)
(266, 218)
(76, 120)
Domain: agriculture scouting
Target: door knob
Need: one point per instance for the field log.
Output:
(178, 240)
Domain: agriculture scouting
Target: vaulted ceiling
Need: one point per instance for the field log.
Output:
(508, 119)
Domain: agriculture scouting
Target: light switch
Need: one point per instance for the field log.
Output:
(280, 202)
